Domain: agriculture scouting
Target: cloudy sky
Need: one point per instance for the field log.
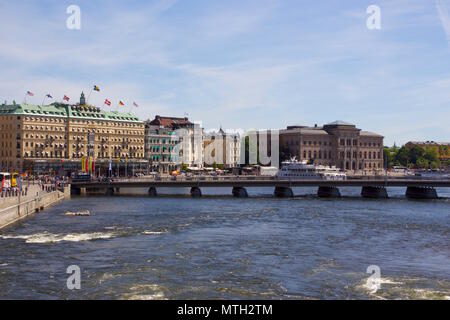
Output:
(240, 64)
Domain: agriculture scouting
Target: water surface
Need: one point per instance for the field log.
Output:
(175, 247)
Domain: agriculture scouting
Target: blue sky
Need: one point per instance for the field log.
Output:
(241, 64)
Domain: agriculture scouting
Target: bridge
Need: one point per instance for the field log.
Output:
(370, 187)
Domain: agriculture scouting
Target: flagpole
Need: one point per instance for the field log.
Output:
(43, 100)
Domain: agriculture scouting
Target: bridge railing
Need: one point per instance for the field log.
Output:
(252, 178)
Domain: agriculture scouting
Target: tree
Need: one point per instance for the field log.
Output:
(430, 155)
(416, 153)
(389, 157)
(402, 157)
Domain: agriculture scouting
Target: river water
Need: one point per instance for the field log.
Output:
(175, 247)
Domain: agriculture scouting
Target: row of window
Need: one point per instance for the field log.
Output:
(328, 155)
(365, 165)
(47, 128)
(354, 142)
(106, 131)
(317, 155)
(163, 158)
(367, 155)
(163, 141)
(155, 149)
(81, 121)
(62, 154)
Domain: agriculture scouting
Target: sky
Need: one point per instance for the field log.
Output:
(240, 64)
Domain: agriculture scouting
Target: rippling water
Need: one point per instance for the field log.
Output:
(134, 247)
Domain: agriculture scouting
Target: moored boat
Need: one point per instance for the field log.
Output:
(301, 170)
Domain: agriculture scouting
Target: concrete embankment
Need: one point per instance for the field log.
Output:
(11, 210)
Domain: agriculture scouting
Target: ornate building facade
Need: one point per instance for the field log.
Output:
(221, 148)
(337, 144)
(171, 142)
(55, 137)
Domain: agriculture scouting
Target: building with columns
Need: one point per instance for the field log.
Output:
(55, 137)
(339, 144)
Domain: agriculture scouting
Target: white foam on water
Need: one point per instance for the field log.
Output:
(431, 294)
(388, 288)
(373, 285)
(107, 276)
(156, 296)
(145, 292)
(3, 265)
(154, 233)
(47, 237)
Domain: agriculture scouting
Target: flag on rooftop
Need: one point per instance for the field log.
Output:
(66, 98)
(135, 104)
(49, 96)
(121, 103)
(29, 93)
(96, 88)
(107, 102)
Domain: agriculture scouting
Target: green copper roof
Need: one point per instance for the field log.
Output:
(64, 110)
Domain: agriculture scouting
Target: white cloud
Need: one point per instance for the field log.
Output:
(444, 16)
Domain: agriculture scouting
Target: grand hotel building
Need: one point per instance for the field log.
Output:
(339, 144)
(55, 137)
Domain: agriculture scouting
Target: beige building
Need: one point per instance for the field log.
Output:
(337, 144)
(57, 136)
(221, 148)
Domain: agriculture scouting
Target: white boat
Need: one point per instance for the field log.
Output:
(301, 170)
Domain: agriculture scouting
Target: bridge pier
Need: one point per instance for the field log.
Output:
(421, 193)
(110, 191)
(196, 192)
(152, 192)
(240, 192)
(328, 192)
(283, 192)
(374, 192)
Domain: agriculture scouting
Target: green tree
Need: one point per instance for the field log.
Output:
(389, 156)
(416, 153)
(402, 157)
(430, 155)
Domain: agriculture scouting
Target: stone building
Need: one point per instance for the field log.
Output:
(55, 137)
(337, 144)
(441, 149)
(167, 136)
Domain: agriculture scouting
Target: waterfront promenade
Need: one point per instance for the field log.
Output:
(37, 198)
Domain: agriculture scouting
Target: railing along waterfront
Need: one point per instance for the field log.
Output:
(267, 180)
